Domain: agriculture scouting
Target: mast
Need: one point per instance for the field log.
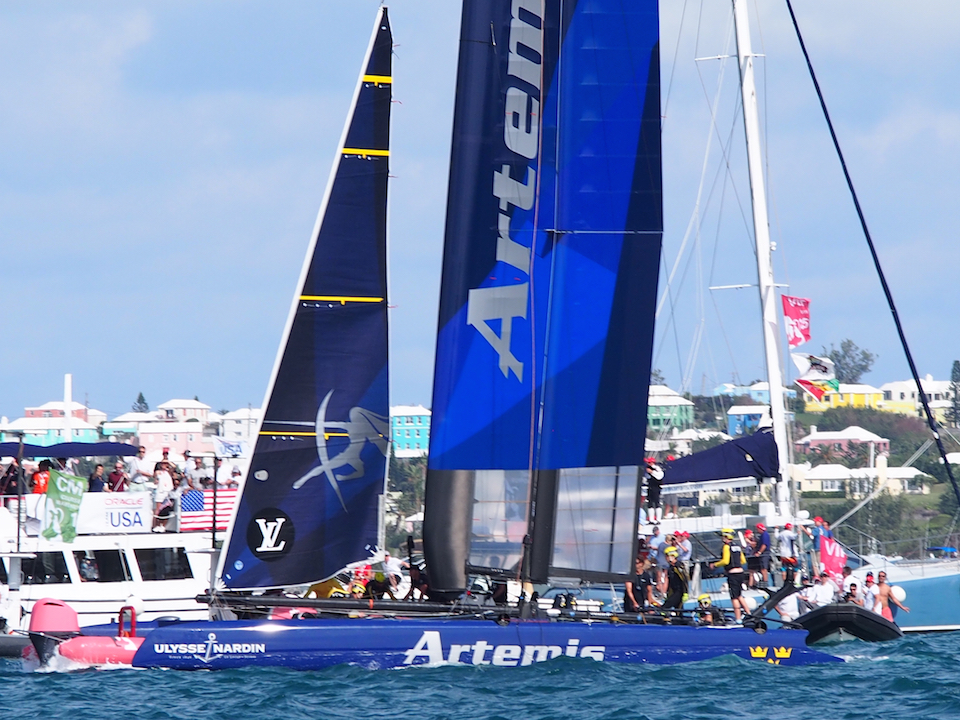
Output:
(761, 229)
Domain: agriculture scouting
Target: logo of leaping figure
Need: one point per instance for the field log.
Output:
(362, 427)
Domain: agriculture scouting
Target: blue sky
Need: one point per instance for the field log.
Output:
(162, 164)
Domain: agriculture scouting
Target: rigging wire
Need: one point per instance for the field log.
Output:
(876, 259)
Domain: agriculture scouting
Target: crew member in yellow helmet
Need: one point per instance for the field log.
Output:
(733, 560)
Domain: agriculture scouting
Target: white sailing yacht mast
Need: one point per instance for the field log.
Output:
(768, 293)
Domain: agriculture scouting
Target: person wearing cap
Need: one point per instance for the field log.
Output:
(787, 539)
(654, 476)
(733, 561)
(677, 580)
(763, 552)
(824, 592)
(663, 564)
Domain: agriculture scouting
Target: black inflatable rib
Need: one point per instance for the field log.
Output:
(850, 619)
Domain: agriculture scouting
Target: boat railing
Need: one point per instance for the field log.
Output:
(915, 551)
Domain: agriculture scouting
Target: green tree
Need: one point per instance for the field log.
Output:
(657, 377)
(850, 361)
(954, 412)
(140, 404)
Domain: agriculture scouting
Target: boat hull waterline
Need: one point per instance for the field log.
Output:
(379, 643)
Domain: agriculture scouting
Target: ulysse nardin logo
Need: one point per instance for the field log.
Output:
(270, 534)
(211, 649)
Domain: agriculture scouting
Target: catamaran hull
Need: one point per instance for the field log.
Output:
(391, 643)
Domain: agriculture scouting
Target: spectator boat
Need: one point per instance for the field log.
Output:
(113, 560)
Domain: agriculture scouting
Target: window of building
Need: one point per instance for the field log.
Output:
(163, 563)
(174, 438)
(102, 566)
(166, 438)
(190, 438)
(44, 569)
(408, 432)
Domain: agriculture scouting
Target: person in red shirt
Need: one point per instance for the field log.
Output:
(40, 478)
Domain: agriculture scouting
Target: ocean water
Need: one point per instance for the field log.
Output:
(916, 677)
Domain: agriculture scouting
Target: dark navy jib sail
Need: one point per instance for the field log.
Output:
(551, 256)
(310, 503)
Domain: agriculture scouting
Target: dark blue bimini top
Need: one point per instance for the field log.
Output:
(750, 456)
(67, 450)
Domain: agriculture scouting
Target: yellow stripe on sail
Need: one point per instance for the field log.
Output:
(380, 79)
(366, 152)
(302, 434)
(342, 299)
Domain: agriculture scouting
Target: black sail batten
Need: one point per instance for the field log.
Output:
(311, 503)
(551, 256)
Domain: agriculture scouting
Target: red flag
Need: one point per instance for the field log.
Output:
(796, 318)
(833, 558)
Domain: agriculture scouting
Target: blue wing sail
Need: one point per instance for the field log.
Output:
(310, 503)
(551, 258)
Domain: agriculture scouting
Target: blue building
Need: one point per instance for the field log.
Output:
(759, 392)
(745, 419)
(410, 430)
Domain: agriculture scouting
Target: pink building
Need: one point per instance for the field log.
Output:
(842, 440)
(175, 437)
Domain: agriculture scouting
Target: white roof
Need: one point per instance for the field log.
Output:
(839, 472)
(183, 404)
(396, 410)
(659, 390)
(242, 414)
(953, 458)
(828, 472)
(58, 405)
(667, 401)
(854, 432)
(857, 388)
(749, 410)
(695, 434)
(47, 423)
(171, 427)
(135, 417)
(928, 383)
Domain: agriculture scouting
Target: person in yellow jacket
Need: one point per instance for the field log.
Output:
(733, 561)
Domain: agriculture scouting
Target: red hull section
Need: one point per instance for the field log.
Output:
(101, 650)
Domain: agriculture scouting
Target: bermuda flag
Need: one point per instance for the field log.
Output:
(817, 374)
(796, 318)
(196, 509)
(833, 558)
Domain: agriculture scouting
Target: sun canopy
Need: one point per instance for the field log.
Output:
(67, 450)
(750, 456)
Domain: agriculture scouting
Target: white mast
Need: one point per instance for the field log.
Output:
(761, 228)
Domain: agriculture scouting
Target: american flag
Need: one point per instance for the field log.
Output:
(196, 508)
